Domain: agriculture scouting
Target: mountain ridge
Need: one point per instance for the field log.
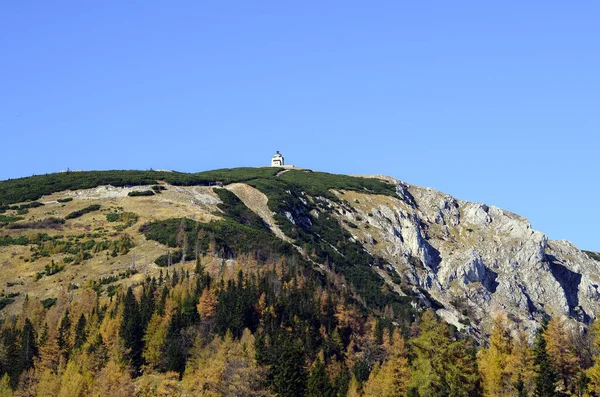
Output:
(464, 259)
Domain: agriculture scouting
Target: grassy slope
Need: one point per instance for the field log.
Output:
(322, 236)
(19, 270)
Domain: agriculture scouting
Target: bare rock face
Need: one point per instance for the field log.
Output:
(475, 259)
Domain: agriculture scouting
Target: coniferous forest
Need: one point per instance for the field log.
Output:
(274, 329)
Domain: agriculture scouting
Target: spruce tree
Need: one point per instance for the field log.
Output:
(130, 330)
(80, 334)
(545, 378)
(160, 307)
(64, 331)
(318, 381)
(44, 336)
(175, 357)
(289, 375)
(29, 347)
(11, 362)
(147, 303)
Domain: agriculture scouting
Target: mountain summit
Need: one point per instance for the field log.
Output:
(395, 247)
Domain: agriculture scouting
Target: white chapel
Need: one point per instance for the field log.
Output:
(277, 160)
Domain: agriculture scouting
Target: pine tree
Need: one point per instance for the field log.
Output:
(545, 378)
(174, 355)
(147, 304)
(285, 356)
(64, 332)
(162, 303)
(80, 334)
(342, 382)
(130, 330)
(29, 348)
(11, 362)
(318, 381)
(44, 335)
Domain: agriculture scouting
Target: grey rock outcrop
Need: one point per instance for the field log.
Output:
(475, 259)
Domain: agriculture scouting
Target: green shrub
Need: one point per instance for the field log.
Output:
(33, 204)
(34, 187)
(112, 217)
(4, 219)
(175, 256)
(52, 268)
(65, 200)
(81, 212)
(5, 301)
(9, 240)
(141, 193)
(350, 224)
(48, 302)
(594, 255)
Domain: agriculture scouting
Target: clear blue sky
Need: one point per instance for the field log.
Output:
(497, 102)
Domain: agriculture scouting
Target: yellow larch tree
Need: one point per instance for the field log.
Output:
(562, 353)
(75, 381)
(393, 376)
(154, 340)
(113, 380)
(496, 361)
(207, 305)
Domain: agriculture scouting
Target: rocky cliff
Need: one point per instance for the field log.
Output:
(473, 259)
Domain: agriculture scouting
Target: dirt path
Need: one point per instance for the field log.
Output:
(257, 202)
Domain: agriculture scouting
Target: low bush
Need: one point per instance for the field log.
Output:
(142, 193)
(5, 219)
(112, 217)
(33, 204)
(48, 302)
(81, 212)
(5, 301)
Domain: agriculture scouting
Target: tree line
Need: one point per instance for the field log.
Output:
(275, 329)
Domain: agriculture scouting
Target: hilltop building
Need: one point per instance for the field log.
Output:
(277, 160)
